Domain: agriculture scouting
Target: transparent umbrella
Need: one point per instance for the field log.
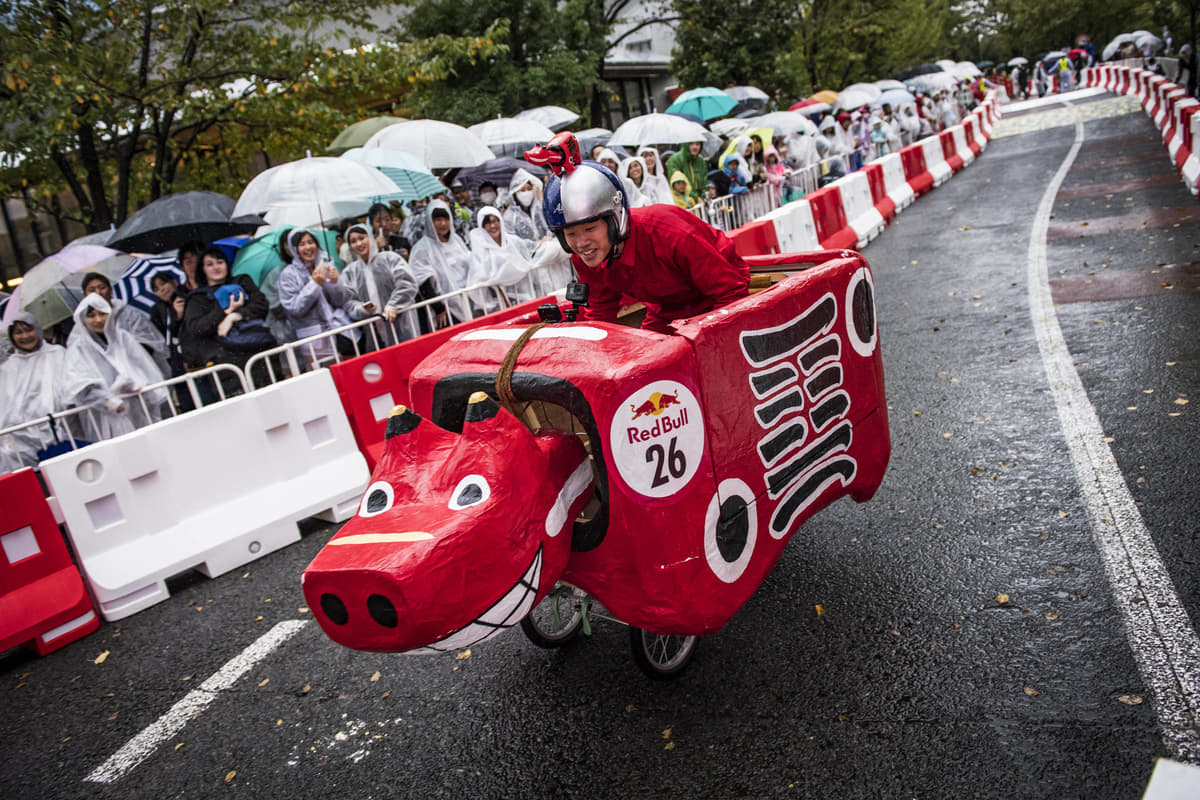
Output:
(510, 136)
(439, 145)
(654, 129)
(784, 122)
(53, 286)
(315, 190)
(855, 96)
(553, 117)
(357, 134)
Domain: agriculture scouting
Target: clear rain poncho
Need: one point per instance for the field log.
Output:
(525, 220)
(40, 382)
(122, 363)
(448, 262)
(312, 308)
(655, 184)
(505, 264)
(385, 280)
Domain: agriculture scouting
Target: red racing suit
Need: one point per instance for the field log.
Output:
(673, 262)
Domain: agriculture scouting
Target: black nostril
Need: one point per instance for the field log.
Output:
(335, 609)
(382, 611)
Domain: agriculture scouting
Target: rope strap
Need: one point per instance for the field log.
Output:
(509, 365)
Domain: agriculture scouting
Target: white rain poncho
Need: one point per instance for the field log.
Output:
(646, 192)
(525, 221)
(505, 265)
(384, 280)
(655, 183)
(38, 383)
(448, 262)
(122, 363)
(311, 307)
(631, 192)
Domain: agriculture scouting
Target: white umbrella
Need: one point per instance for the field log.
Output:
(314, 190)
(730, 127)
(439, 145)
(932, 83)
(859, 94)
(785, 122)
(894, 98)
(743, 93)
(555, 118)
(508, 136)
(1147, 41)
(655, 129)
(889, 83)
(1018, 61)
(1116, 44)
(946, 64)
(966, 69)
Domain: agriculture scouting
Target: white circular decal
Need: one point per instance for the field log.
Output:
(657, 438)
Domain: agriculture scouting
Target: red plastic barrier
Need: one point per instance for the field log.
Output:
(829, 214)
(969, 128)
(370, 385)
(915, 172)
(1185, 150)
(951, 150)
(755, 238)
(879, 196)
(43, 602)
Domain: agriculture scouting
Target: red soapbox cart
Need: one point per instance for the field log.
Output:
(661, 475)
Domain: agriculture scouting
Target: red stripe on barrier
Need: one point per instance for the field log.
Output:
(1185, 149)
(41, 591)
(829, 214)
(915, 171)
(879, 196)
(950, 150)
(969, 129)
(755, 238)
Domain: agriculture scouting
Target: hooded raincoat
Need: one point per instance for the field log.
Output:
(646, 192)
(506, 264)
(525, 221)
(448, 263)
(655, 184)
(122, 364)
(682, 199)
(38, 383)
(384, 279)
(694, 169)
(311, 307)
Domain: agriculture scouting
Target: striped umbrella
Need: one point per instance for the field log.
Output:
(134, 284)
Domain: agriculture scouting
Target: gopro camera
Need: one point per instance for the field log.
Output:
(549, 312)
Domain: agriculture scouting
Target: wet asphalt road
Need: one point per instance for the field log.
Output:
(917, 681)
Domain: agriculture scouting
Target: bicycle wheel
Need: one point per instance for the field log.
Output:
(557, 619)
(661, 657)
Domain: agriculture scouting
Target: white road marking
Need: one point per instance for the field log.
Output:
(1164, 643)
(140, 747)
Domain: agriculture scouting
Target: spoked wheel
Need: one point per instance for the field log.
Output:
(557, 619)
(661, 657)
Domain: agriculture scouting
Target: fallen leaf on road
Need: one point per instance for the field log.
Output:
(630, 708)
(229, 776)
(820, 610)
(1052, 615)
(1130, 699)
(100, 659)
(669, 746)
(1147, 391)
(1032, 692)
(666, 734)
(179, 745)
(264, 682)
(1002, 598)
(375, 677)
(463, 655)
(1181, 401)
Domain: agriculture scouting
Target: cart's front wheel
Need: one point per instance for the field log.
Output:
(661, 657)
(557, 619)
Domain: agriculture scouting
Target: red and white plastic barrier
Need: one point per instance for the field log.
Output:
(43, 602)
(209, 490)
(854, 209)
(1176, 115)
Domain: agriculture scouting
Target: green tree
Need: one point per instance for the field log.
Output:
(552, 54)
(129, 100)
(1030, 27)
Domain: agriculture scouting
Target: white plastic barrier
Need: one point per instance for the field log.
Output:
(897, 186)
(795, 228)
(960, 145)
(1177, 132)
(935, 160)
(861, 213)
(1191, 167)
(981, 138)
(209, 490)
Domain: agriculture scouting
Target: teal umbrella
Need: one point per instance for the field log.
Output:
(262, 255)
(415, 180)
(707, 102)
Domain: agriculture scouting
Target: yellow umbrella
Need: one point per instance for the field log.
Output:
(766, 134)
(825, 96)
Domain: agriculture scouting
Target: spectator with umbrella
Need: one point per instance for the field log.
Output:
(98, 344)
(387, 230)
(189, 261)
(36, 381)
(167, 315)
(377, 283)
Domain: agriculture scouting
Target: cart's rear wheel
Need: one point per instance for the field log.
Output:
(557, 619)
(661, 657)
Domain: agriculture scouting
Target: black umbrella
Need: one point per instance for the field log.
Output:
(172, 221)
(498, 172)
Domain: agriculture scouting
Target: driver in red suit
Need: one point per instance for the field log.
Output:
(671, 261)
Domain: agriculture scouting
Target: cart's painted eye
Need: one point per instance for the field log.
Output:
(471, 491)
(377, 499)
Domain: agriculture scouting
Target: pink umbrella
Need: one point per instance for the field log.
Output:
(810, 106)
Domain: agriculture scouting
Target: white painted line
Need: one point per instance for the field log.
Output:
(1160, 634)
(140, 747)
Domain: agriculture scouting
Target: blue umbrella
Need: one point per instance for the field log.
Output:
(707, 102)
(230, 246)
(134, 284)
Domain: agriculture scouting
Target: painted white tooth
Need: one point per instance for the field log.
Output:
(580, 479)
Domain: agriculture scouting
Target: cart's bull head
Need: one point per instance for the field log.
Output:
(457, 536)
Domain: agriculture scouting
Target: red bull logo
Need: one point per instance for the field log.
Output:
(656, 404)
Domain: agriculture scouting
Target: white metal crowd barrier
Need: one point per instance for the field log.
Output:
(732, 211)
(208, 490)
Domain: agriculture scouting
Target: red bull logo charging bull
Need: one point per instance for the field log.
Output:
(659, 446)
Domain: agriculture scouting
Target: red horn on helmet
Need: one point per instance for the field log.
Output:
(559, 155)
